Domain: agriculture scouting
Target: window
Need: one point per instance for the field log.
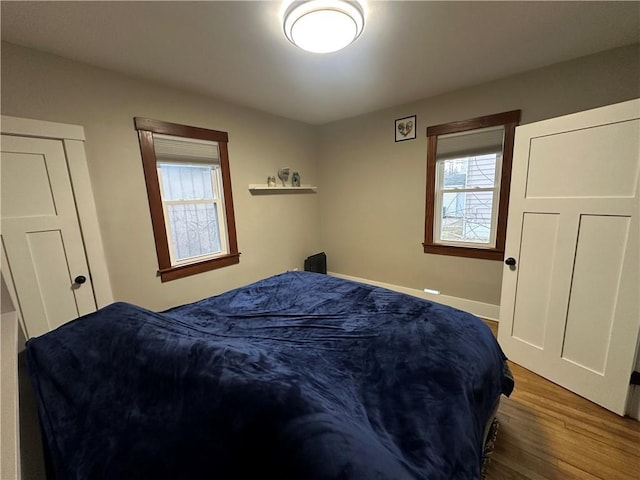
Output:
(466, 192)
(468, 174)
(189, 189)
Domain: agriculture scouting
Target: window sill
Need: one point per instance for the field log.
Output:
(181, 271)
(469, 252)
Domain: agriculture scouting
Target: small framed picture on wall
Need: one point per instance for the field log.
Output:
(405, 128)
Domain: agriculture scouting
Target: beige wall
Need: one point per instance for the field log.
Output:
(370, 202)
(372, 195)
(275, 232)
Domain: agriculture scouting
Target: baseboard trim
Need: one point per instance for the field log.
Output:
(483, 310)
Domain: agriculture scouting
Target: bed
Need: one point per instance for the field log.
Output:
(297, 376)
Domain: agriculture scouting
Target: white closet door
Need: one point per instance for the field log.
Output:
(570, 304)
(41, 239)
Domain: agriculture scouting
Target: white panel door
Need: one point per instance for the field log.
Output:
(41, 237)
(570, 307)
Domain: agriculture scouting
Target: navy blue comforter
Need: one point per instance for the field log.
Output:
(298, 376)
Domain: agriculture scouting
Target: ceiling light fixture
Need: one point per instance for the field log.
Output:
(323, 26)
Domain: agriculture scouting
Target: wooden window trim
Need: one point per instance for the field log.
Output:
(146, 128)
(510, 121)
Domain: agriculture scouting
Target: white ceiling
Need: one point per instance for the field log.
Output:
(237, 51)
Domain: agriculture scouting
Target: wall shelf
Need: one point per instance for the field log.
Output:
(264, 188)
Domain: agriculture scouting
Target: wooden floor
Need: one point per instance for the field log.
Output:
(547, 432)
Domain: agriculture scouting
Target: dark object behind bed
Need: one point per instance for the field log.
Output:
(299, 376)
(316, 263)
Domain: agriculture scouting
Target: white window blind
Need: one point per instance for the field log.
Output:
(177, 149)
(466, 144)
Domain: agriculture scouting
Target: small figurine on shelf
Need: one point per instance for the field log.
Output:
(283, 175)
(271, 181)
(295, 179)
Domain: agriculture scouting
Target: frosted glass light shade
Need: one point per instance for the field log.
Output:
(323, 26)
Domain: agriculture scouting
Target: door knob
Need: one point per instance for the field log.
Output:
(510, 261)
(80, 279)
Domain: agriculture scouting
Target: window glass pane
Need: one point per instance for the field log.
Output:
(194, 230)
(469, 172)
(186, 182)
(466, 217)
(455, 172)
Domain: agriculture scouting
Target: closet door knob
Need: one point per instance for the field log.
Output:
(80, 279)
(510, 261)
